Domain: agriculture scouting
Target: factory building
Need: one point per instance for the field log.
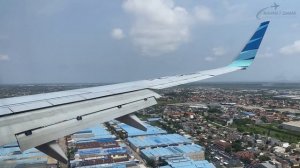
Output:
(97, 143)
(133, 132)
(152, 141)
(11, 156)
(195, 152)
(92, 133)
(97, 147)
(184, 162)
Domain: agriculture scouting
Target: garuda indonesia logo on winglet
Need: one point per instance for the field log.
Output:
(273, 11)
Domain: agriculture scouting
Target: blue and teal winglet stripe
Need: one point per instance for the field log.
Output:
(247, 55)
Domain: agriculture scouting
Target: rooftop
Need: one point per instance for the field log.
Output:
(12, 153)
(97, 147)
(182, 162)
(96, 132)
(248, 113)
(292, 123)
(172, 150)
(98, 151)
(151, 130)
(158, 140)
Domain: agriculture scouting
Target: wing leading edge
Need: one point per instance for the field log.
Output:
(37, 120)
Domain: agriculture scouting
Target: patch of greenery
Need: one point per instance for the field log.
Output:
(247, 126)
(240, 122)
(237, 146)
(214, 110)
(264, 119)
(143, 117)
(263, 158)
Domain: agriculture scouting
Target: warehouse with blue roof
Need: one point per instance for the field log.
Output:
(92, 133)
(192, 151)
(11, 155)
(84, 153)
(97, 147)
(187, 163)
(249, 114)
(132, 132)
(142, 142)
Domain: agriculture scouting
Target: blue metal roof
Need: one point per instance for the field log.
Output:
(151, 130)
(98, 151)
(157, 152)
(248, 113)
(107, 165)
(114, 165)
(99, 134)
(14, 154)
(172, 150)
(98, 131)
(102, 140)
(158, 140)
(186, 163)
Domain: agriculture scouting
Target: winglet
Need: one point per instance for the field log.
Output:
(247, 55)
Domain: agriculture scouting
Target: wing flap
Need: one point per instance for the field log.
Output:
(53, 132)
(66, 99)
(5, 111)
(29, 106)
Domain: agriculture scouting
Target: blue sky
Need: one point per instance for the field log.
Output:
(123, 40)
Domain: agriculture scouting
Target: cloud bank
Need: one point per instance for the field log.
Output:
(291, 49)
(117, 34)
(4, 57)
(218, 51)
(159, 25)
(203, 13)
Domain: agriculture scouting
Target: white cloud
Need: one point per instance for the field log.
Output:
(4, 57)
(218, 51)
(159, 25)
(209, 59)
(291, 49)
(117, 33)
(267, 53)
(203, 13)
(295, 25)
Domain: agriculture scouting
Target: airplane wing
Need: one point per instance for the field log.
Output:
(39, 120)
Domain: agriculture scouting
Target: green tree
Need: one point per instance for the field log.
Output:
(263, 158)
(237, 146)
(241, 129)
(264, 119)
(214, 110)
